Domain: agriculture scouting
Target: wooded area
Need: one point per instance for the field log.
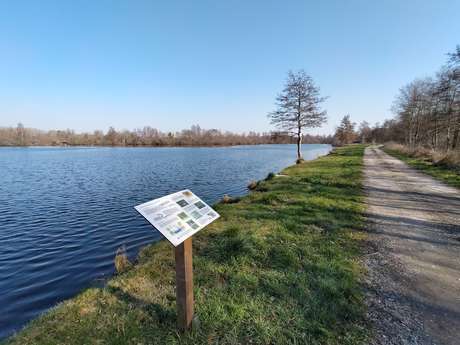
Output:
(147, 136)
(427, 111)
(427, 116)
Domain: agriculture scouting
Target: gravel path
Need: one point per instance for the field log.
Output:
(413, 284)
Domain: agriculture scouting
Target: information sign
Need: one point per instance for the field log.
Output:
(178, 216)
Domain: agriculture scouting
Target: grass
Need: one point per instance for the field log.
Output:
(281, 266)
(448, 174)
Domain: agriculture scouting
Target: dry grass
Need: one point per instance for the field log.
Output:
(121, 261)
(448, 159)
(227, 199)
(444, 166)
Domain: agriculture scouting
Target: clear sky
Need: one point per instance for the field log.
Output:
(220, 63)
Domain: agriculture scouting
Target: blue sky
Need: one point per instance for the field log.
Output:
(93, 64)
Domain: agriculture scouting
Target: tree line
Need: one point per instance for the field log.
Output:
(427, 111)
(147, 136)
(426, 115)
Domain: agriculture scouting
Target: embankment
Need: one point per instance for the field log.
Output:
(281, 266)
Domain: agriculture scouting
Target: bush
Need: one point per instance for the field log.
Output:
(229, 200)
(253, 185)
(121, 260)
(270, 176)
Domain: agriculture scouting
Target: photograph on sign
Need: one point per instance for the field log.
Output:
(178, 216)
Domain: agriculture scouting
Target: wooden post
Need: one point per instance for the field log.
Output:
(184, 284)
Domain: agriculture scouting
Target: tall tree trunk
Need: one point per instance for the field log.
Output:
(299, 130)
(299, 145)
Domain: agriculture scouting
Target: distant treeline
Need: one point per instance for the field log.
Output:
(147, 136)
(426, 115)
(427, 111)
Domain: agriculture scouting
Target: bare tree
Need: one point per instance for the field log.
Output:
(345, 133)
(111, 137)
(364, 132)
(427, 112)
(454, 59)
(20, 135)
(298, 107)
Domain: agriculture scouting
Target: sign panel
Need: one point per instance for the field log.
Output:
(178, 216)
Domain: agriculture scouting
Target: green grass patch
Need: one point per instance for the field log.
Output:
(281, 266)
(448, 174)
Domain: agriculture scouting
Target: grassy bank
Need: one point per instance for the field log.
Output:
(280, 267)
(449, 174)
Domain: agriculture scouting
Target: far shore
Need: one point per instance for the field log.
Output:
(151, 146)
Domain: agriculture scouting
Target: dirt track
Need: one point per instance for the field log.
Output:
(414, 255)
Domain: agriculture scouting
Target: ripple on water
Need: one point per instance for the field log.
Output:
(64, 212)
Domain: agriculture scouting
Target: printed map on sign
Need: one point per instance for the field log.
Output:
(178, 216)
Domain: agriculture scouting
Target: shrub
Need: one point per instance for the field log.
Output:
(270, 176)
(450, 159)
(229, 200)
(252, 185)
(121, 260)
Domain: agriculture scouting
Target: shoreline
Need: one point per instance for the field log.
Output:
(150, 281)
(152, 146)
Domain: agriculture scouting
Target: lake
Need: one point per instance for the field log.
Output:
(65, 211)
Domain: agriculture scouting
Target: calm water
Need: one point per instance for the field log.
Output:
(65, 211)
